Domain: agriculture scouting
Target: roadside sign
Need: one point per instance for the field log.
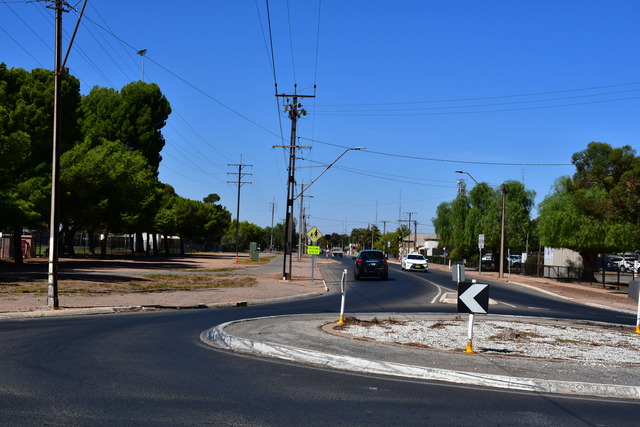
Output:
(481, 241)
(457, 273)
(314, 234)
(313, 250)
(634, 290)
(634, 293)
(473, 297)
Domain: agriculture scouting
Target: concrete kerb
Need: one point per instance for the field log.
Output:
(218, 338)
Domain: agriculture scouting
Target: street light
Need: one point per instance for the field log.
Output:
(502, 216)
(142, 53)
(289, 236)
(327, 168)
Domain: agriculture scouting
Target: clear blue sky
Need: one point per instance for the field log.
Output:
(494, 88)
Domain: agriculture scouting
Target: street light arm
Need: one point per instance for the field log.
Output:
(483, 189)
(474, 180)
(328, 167)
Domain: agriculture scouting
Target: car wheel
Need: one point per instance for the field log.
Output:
(623, 268)
(385, 276)
(356, 276)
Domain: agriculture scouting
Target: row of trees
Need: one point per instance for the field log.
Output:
(597, 210)
(111, 144)
(459, 223)
(372, 238)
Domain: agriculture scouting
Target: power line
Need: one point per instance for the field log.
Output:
(387, 176)
(486, 97)
(543, 107)
(315, 70)
(293, 62)
(443, 160)
(500, 103)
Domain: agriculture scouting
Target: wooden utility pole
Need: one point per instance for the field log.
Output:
(295, 111)
(52, 278)
(273, 209)
(301, 225)
(239, 182)
(409, 224)
(59, 72)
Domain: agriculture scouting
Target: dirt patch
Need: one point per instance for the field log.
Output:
(183, 281)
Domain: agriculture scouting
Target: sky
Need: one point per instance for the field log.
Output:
(502, 90)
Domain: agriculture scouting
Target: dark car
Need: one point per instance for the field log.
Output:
(371, 263)
(608, 263)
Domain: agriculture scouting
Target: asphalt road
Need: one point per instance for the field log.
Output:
(151, 369)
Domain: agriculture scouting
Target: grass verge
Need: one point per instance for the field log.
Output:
(141, 284)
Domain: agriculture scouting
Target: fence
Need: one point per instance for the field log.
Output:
(116, 245)
(560, 273)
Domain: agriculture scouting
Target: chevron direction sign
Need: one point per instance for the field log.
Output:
(473, 297)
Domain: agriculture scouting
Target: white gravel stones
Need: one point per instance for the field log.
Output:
(594, 343)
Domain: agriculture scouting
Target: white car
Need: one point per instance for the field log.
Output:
(628, 264)
(414, 262)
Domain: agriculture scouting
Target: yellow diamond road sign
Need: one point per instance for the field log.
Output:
(314, 234)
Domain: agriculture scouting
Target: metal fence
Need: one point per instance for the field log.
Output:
(115, 245)
(582, 275)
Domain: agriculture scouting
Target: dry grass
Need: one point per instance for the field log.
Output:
(137, 284)
(350, 321)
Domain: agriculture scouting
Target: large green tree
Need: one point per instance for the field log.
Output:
(106, 186)
(134, 117)
(26, 123)
(595, 210)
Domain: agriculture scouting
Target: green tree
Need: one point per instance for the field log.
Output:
(166, 220)
(365, 238)
(459, 222)
(134, 117)
(594, 210)
(105, 186)
(443, 225)
(198, 221)
(247, 232)
(26, 123)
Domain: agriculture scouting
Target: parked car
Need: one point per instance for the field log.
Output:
(414, 262)
(627, 263)
(609, 263)
(514, 261)
(635, 267)
(371, 263)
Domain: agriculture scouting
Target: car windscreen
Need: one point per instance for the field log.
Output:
(416, 257)
(371, 255)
